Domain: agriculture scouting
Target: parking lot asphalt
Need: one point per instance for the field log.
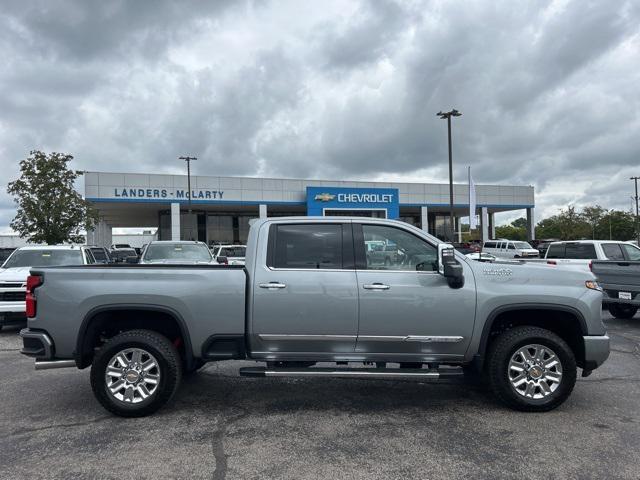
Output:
(221, 426)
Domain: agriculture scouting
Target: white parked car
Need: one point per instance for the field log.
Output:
(229, 254)
(502, 248)
(15, 270)
(178, 252)
(580, 253)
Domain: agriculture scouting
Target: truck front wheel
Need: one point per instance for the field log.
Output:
(135, 373)
(531, 369)
(622, 311)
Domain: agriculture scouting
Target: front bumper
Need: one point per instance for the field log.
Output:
(596, 351)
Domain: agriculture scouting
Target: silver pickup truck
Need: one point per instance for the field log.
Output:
(311, 293)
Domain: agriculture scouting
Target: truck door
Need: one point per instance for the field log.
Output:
(407, 307)
(305, 296)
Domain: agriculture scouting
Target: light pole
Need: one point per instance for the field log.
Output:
(188, 160)
(447, 116)
(635, 179)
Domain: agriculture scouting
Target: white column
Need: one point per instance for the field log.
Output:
(100, 236)
(484, 220)
(424, 219)
(531, 225)
(492, 225)
(263, 210)
(175, 221)
(458, 228)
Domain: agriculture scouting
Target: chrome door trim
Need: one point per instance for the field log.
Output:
(411, 338)
(277, 336)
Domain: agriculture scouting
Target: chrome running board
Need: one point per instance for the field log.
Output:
(373, 373)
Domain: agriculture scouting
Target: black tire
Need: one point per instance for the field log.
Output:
(169, 368)
(500, 354)
(622, 311)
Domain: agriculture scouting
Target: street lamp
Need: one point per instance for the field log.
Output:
(188, 160)
(447, 116)
(637, 222)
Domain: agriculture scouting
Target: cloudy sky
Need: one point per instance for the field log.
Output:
(334, 89)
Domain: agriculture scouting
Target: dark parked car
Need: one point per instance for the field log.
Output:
(543, 246)
(100, 254)
(120, 255)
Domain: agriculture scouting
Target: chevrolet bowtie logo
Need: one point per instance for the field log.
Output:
(324, 197)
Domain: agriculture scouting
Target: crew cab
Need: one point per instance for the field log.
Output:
(581, 253)
(15, 270)
(310, 294)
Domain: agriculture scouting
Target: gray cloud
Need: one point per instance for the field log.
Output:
(330, 89)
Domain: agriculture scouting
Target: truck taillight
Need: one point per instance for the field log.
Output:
(33, 281)
(591, 265)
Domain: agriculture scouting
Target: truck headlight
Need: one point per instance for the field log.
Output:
(593, 285)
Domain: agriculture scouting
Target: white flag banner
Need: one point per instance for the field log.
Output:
(473, 220)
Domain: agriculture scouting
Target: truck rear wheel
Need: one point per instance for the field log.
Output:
(622, 311)
(135, 373)
(531, 369)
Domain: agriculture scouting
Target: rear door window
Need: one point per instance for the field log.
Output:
(580, 251)
(308, 246)
(612, 251)
(633, 253)
(556, 251)
(490, 245)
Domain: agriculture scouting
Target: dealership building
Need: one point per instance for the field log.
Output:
(222, 207)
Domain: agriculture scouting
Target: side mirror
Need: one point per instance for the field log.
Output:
(449, 267)
(132, 260)
(223, 260)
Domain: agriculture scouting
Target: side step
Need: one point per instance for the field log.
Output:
(373, 373)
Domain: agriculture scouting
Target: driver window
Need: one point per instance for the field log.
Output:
(389, 248)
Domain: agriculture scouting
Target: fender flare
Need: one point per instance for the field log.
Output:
(486, 329)
(90, 315)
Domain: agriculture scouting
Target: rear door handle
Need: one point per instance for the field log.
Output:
(272, 285)
(376, 286)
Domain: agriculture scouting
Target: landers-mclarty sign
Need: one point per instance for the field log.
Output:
(164, 193)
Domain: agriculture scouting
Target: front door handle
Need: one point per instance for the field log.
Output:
(376, 286)
(272, 285)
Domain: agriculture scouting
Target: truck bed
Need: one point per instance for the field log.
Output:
(68, 300)
(618, 279)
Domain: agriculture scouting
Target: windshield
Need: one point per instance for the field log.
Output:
(522, 245)
(43, 258)
(177, 251)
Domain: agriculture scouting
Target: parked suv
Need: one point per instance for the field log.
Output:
(509, 249)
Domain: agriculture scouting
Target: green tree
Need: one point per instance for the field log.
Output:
(617, 225)
(511, 232)
(520, 223)
(569, 224)
(50, 210)
(593, 216)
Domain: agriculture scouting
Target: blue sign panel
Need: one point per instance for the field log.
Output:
(321, 199)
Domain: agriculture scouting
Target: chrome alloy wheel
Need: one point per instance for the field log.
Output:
(132, 375)
(535, 371)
